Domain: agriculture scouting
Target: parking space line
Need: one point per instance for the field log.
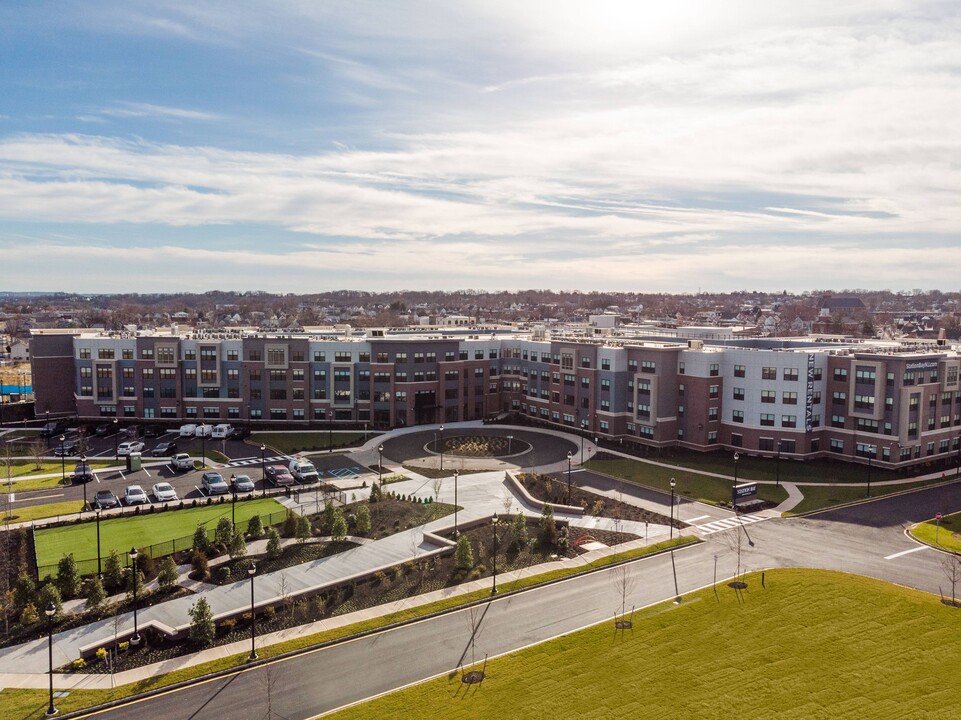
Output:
(695, 519)
(906, 552)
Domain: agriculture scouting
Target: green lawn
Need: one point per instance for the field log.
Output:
(947, 536)
(292, 442)
(812, 644)
(139, 531)
(698, 487)
(19, 468)
(26, 513)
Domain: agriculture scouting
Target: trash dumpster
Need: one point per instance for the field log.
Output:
(134, 462)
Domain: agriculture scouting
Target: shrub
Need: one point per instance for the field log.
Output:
(23, 591)
(519, 530)
(96, 595)
(101, 654)
(376, 494)
(202, 629)
(146, 562)
(68, 578)
(270, 612)
(363, 519)
(199, 562)
(78, 664)
(303, 531)
(50, 593)
(547, 535)
(201, 540)
(113, 571)
(289, 528)
(255, 527)
(223, 532)
(338, 530)
(227, 626)
(274, 548)
(463, 554)
(168, 573)
(29, 615)
(223, 574)
(238, 546)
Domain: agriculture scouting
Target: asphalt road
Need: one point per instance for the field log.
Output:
(865, 539)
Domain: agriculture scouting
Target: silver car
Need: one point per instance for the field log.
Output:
(134, 495)
(164, 492)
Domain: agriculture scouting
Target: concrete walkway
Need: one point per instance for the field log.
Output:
(794, 498)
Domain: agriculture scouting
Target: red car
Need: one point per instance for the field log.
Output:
(278, 475)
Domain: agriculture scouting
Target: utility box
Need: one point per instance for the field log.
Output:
(134, 462)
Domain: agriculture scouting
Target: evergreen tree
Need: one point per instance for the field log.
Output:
(519, 530)
(29, 614)
(50, 593)
(363, 519)
(96, 595)
(547, 535)
(223, 532)
(113, 571)
(202, 627)
(327, 520)
(303, 530)
(23, 591)
(376, 493)
(201, 539)
(464, 554)
(289, 528)
(238, 547)
(274, 548)
(168, 573)
(338, 529)
(255, 527)
(68, 577)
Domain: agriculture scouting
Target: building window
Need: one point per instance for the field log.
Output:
(648, 366)
(739, 371)
(737, 416)
(714, 370)
(789, 421)
(840, 374)
(767, 419)
(789, 398)
(769, 373)
(768, 396)
(738, 393)
(713, 391)
(790, 374)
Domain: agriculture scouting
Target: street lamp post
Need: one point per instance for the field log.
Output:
(83, 478)
(63, 462)
(233, 504)
(870, 459)
(380, 466)
(330, 431)
(442, 448)
(50, 610)
(116, 439)
(777, 479)
(203, 445)
(733, 498)
(98, 510)
(251, 571)
(494, 523)
(673, 484)
(569, 456)
(959, 457)
(510, 443)
(455, 504)
(263, 469)
(135, 640)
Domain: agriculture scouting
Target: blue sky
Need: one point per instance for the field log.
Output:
(301, 146)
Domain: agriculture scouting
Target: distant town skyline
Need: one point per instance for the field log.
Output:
(170, 147)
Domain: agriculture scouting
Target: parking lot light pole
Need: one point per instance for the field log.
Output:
(63, 462)
(673, 484)
(233, 504)
(98, 510)
(263, 468)
(83, 478)
(380, 466)
(251, 571)
(116, 439)
(494, 523)
(135, 640)
(330, 432)
(455, 503)
(203, 445)
(569, 456)
(442, 448)
(870, 458)
(50, 610)
(733, 499)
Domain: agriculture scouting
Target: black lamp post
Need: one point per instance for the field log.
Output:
(494, 523)
(251, 571)
(870, 460)
(442, 448)
(135, 640)
(63, 462)
(733, 498)
(97, 511)
(50, 611)
(777, 479)
(455, 503)
(569, 456)
(116, 439)
(203, 445)
(959, 457)
(510, 443)
(330, 431)
(673, 484)
(46, 431)
(233, 504)
(380, 466)
(263, 469)
(83, 478)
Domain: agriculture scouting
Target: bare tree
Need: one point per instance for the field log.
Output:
(507, 502)
(735, 544)
(951, 566)
(285, 593)
(437, 484)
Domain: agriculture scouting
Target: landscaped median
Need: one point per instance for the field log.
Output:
(31, 703)
(805, 644)
(944, 534)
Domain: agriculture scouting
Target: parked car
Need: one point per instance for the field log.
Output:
(131, 446)
(132, 432)
(203, 430)
(182, 461)
(54, 427)
(105, 499)
(134, 495)
(278, 475)
(242, 483)
(239, 433)
(221, 431)
(164, 492)
(82, 473)
(163, 449)
(213, 483)
(188, 431)
(103, 429)
(153, 431)
(65, 449)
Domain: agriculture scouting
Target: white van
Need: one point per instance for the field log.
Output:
(303, 470)
(203, 430)
(221, 432)
(188, 430)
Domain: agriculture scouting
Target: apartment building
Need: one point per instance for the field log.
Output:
(800, 397)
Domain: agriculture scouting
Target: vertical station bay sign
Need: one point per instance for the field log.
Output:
(809, 397)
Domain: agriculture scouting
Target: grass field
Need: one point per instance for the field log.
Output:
(811, 644)
(19, 468)
(698, 487)
(819, 497)
(947, 536)
(291, 442)
(26, 513)
(139, 531)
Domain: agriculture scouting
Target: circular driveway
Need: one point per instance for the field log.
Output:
(544, 448)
